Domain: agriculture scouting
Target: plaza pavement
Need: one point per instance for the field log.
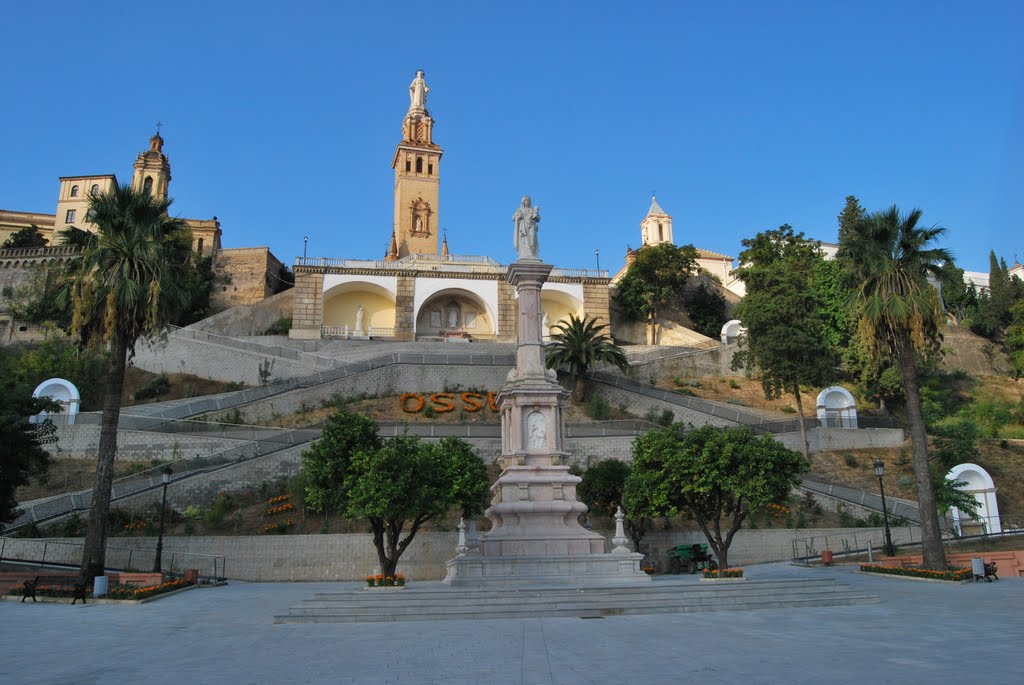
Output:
(923, 632)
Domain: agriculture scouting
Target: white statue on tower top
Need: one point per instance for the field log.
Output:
(525, 238)
(418, 92)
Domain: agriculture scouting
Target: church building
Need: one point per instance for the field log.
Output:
(419, 290)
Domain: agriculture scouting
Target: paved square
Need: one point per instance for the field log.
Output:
(923, 632)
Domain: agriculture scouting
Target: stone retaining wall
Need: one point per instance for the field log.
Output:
(352, 556)
(82, 441)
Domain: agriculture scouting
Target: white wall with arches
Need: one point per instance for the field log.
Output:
(837, 408)
(63, 391)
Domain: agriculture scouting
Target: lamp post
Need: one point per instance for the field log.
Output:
(165, 474)
(880, 471)
(305, 244)
(597, 255)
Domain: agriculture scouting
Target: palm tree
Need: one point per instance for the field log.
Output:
(124, 286)
(580, 344)
(888, 256)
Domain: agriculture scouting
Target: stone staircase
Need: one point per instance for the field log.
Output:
(434, 601)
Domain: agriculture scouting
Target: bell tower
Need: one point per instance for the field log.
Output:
(657, 225)
(152, 169)
(417, 165)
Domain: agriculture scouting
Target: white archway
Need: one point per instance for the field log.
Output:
(342, 303)
(62, 391)
(981, 485)
(732, 330)
(455, 313)
(837, 408)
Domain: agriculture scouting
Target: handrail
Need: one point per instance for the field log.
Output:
(219, 561)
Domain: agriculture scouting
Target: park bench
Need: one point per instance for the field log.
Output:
(990, 572)
(76, 585)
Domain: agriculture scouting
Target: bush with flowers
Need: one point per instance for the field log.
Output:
(278, 526)
(132, 592)
(956, 574)
(723, 573)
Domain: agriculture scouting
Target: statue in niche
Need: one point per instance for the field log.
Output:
(359, 318)
(453, 316)
(525, 238)
(536, 439)
(545, 326)
(419, 225)
(418, 91)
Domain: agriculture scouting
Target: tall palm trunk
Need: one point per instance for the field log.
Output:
(94, 554)
(803, 426)
(931, 536)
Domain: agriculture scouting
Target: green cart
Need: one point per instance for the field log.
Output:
(693, 558)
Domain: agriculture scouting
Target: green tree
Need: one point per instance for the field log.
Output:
(602, 490)
(1015, 339)
(716, 476)
(707, 309)
(123, 288)
(950, 494)
(21, 452)
(30, 236)
(782, 312)
(851, 215)
(655, 279)
(888, 255)
(393, 484)
(581, 344)
(76, 237)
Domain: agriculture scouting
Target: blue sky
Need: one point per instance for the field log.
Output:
(281, 120)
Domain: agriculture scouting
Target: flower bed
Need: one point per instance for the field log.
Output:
(129, 592)
(954, 575)
(724, 573)
(380, 580)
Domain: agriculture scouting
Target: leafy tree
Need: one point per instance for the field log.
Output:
(785, 337)
(716, 476)
(395, 483)
(21, 452)
(28, 365)
(197, 283)
(851, 215)
(949, 494)
(957, 444)
(30, 236)
(655, 279)
(124, 287)
(707, 310)
(602, 490)
(1015, 339)
(76, 237)
(889, 255)
(581, 344)
(958, 299)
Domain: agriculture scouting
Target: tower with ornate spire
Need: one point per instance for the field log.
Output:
(417, 165)
(153, 169)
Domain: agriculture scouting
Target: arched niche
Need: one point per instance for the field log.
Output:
(981, 485)
(558, 306)
(342, 302)
(731, 330)
(63, 391)
(455, 313)
(837, 408)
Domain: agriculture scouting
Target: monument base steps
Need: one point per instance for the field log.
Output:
(554, 569)
(433, 601)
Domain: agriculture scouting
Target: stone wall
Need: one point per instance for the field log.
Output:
(255, 275)
(249, 319)
(595, 300)
(405, 298)
(350, 557)
(82, 441)
(308, 304)
(832, 439)
(217, 362)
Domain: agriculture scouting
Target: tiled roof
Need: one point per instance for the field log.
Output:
(655, 207)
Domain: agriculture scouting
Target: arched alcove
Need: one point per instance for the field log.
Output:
(837, 408)
(62, 391)
(342, 303)
(981, 485)
(558, 306)
(731, 330)
(454, 313)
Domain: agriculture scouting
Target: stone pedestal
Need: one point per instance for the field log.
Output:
(535, 536)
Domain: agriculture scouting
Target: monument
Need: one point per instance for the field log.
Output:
(535, 535)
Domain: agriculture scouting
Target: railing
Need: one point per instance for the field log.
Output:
(345, 331)
(897, 508)
(22, 252)
(809, 549)
(57, 553)
(430, 262)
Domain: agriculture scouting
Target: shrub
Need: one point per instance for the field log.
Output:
(736, 401)
(733, 384)
(597, 408)
(219, 510)
(851, 460)
(279, 327)
(157, 386)
(952, 574)
(788, 410)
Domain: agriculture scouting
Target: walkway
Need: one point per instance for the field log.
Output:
(924, 632)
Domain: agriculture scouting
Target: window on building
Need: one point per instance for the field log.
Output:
(419, 165)
(70, 217)
(430, 169)
(199, 246)
(147, 186)
(90, 215)
(408, 166)
(74, 191)
(95, 190)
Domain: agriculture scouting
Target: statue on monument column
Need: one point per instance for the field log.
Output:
(359, 319)
(418, 92)
(525, 238)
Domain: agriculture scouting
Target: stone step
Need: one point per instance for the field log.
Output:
(452, 604)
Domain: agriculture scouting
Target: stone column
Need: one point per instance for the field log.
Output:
(405, 288)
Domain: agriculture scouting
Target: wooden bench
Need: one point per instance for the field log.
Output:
(77, 586)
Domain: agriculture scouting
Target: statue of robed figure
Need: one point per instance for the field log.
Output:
(525, 238)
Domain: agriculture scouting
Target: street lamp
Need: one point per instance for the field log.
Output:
(597, 255)
(305, 243)
(165, 474)
(880, 471)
